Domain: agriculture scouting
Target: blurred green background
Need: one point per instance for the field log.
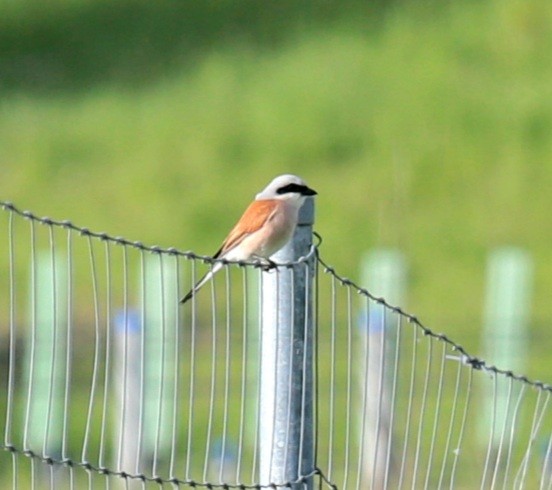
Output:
(424, 126)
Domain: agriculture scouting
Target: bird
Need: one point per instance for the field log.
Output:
(265, 227)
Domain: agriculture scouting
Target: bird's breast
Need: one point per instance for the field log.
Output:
(279, 231)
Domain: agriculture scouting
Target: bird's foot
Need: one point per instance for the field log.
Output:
(268, 265)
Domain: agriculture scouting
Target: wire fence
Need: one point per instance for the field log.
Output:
(111, 383)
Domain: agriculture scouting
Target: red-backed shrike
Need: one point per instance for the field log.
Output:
(265, 226)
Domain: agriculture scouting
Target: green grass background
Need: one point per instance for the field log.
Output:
(424, 126)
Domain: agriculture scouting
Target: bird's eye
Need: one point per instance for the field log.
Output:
(291, 188)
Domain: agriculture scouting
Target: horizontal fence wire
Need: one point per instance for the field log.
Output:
(110, 382)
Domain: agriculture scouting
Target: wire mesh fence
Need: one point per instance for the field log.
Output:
(111, 383)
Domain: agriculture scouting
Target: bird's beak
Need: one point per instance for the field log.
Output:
(307, 191)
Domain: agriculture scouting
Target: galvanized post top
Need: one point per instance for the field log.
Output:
(306, 213)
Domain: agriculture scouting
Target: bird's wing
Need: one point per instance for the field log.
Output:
(253, 219)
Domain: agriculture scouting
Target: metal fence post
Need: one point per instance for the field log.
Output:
(286, 398)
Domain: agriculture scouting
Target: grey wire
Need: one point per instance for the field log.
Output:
(227, 361)
(393, 398)
(243, 392)
(11, 363)
(364, 402)
(71, 478)
(451, 425)
(503, 432)
(331, 428)
(537, 420)
(512, 432)
(54, 346)
(142, 361)
(124, 389)
(213, 380)
(550, 478)
(96, 352)
(107, 356)
(68, 341)
(33, 473)
(316, 363)
(539, 423)
(162, 366)
(546, 463)
(176, 390)
(422, 412)
(15, 471)
(491, 434)
(436, 416)
(191, 379)
(458, 449)
(349, 387)
(380, 398)
(33, 346)
(13, 336)
(409, 407)
(257, 435)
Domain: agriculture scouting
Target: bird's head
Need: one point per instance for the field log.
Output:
(287, 187)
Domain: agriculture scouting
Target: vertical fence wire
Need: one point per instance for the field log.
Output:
(436, 416)
(108, 313)
(141, 397)
(498, 458)
(244, 372)
(123, 382)
(333, 328)
(162, 366)
(450, 429)
(395, 371)
(410, 401)
(192, 357)
(513, 428)
(212, 383)
(363, 396)
(68, 360)
(30, 379)
(8, 440)
(176, 381)
(257, 434)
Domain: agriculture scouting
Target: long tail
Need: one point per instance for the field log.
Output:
(216, 267)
